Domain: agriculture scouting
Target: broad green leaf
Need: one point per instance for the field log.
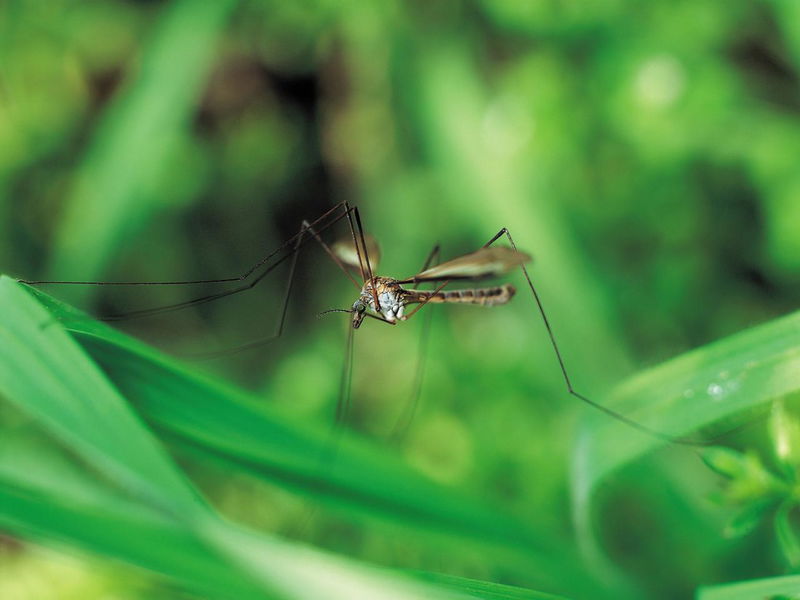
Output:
(204, 414)
(695, 390)
(49, 499)
(232, 424)
(787, 14)
(754, 589)
(159, 524)
(46, 374)
(302, 572)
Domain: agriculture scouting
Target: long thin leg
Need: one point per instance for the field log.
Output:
(357, 216)
(350, 220)
(346, 383)
(433, 256)
(403, 423)
(328, 456)
(298, 240)
(305, 228)
(332, 254)
(343, 406)
(426, 300)
(366, 269)
(232, 279)
(684, 441)
(345, 388)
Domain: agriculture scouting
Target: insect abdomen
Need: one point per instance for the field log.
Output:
(491, 296)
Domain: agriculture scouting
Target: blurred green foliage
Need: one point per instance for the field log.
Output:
(644, 153)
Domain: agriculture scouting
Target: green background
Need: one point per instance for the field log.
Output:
(646, 156)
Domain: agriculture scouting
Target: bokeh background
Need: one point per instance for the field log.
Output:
(644, 153)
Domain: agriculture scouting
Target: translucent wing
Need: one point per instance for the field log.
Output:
(345, 250)
(486, 262)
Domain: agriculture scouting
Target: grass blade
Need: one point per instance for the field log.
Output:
(209, 416)
(205, 555)
(485, 589)
(47, 375)
(121, 513)
(695, 390)
(773, 587)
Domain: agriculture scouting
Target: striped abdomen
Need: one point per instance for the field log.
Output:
(491, 296)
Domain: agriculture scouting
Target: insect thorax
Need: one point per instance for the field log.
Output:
(390, 297)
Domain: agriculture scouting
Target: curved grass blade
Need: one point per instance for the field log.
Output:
(206, 415)
(474, 588)
(46, 374)
(49, 499)
(163, 526)
(695, 390)
(773, 587)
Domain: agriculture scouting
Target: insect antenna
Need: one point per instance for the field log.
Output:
(334, 310)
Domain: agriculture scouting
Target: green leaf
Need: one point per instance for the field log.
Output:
(747, 478)
(160, 524)
(726, 461)
(748, 519)
(484, 589)
(207, 555)
(786, 534)
(785, 433)
(49, 499)
(755, 588)
(46, 374)
(207, 415)
(230, 424)
(685, 394)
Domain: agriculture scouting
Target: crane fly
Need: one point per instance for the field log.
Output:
(385, 299)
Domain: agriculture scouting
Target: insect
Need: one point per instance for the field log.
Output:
(385, 298)
(380, 298)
